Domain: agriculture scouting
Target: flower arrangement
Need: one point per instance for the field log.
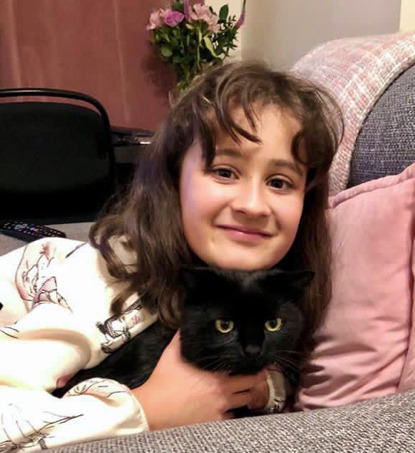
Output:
(193, 37)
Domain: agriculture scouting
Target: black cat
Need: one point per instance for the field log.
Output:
(233, 321)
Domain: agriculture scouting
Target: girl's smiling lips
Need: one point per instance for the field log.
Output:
(248, 233)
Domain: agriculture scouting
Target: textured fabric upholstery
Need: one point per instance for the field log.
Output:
(386, 143)
(356, 71)
(375, 426)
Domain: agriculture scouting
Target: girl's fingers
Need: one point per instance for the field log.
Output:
(260, 396)
(240, 399)
(227, 415)
(244, 383)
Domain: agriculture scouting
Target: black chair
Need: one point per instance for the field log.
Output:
(56, 157)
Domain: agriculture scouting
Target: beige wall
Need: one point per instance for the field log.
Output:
(235, 7)
(282, 31)
(407, 15)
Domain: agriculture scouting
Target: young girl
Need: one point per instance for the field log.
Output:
(235, 178)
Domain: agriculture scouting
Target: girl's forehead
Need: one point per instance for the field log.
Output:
(257, 117)
(265, 124)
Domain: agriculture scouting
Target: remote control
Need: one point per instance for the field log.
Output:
(28, 231)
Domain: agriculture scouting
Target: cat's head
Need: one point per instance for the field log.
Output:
(241, 321)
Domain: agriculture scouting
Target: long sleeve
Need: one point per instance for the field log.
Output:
(55, 319)
(277, 392)
(33, 419)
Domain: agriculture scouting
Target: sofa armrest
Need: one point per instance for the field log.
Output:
(378, 425)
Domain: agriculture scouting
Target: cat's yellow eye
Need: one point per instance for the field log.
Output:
(274, 325)
(224, 326)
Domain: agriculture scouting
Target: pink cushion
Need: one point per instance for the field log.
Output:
(362, 347)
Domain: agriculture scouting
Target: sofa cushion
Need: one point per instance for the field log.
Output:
(386, 142)
(362, 346)
(356, 71)
(380, 425)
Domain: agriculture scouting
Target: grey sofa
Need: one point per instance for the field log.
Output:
(385, 145)
(375, 426)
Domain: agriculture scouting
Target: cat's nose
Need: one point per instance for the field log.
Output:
(252, 349)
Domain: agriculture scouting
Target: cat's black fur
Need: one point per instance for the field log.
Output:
(248, 299)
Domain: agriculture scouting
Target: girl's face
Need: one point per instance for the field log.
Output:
(243, 212)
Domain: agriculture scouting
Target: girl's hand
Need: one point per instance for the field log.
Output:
(177, 393)
(260, 393)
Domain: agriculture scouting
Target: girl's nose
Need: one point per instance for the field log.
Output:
(251, 199)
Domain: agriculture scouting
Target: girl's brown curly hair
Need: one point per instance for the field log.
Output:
(149, 217)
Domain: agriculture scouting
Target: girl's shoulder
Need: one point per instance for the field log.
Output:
(67, 256)
(71, 270)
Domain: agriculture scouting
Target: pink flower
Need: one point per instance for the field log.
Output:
(202, 12)
(187, 9)
(157, 18)
(241, 19)
(173, 18)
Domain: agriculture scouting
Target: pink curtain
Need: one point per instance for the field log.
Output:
(98, 47)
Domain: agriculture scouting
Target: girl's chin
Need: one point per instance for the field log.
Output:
(242, 264)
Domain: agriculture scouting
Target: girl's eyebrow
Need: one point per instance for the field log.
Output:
(280, 163)
(228, 152)
(283, 163)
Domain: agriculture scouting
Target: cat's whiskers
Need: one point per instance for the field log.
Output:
(222, 365)
(227, 342)
(216, 362)
(288, 363)
(292, 352)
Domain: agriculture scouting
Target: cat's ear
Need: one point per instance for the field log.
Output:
(298, 281)
(295, 282)
(301, 279)
(192, 277)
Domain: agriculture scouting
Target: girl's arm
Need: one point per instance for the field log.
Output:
(38, 351)
(52, 295)
(33, 419)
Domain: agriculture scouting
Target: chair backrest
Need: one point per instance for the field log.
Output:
(56, 157)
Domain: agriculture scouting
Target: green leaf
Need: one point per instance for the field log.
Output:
(223, 13)
(166, 37)
(209, 46)
(178, 6)
(166, 52)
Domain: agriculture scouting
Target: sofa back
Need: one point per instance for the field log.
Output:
(386, 142)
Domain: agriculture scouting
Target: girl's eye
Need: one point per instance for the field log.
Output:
(224, 326)
(279, 183)
(223, 172)
(274, 325)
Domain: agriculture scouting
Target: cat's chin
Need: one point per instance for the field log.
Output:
(248, 368)
(240, 367)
